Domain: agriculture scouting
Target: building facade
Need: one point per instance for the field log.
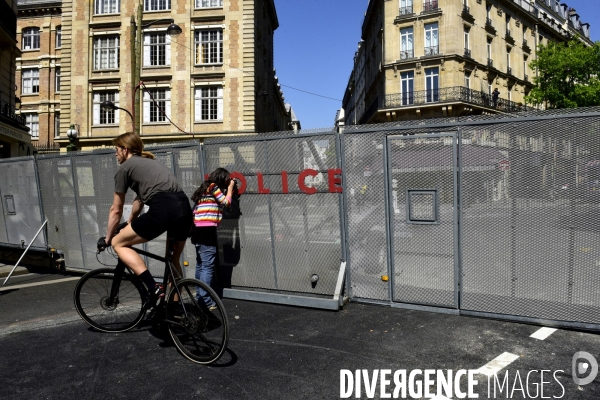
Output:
(438, 58)
(214, 78)
(15, 139)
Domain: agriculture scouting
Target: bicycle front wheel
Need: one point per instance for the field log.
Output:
(199, 332)
(103, 311)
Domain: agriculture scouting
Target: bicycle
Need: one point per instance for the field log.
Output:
(114, 300)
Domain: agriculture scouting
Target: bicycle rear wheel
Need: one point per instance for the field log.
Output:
(93, 301)
(200, 334)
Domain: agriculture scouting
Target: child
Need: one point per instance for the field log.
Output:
(209, 200)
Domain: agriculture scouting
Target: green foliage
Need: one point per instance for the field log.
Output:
(569, 75)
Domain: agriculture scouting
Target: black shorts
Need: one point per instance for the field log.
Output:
(168, 212)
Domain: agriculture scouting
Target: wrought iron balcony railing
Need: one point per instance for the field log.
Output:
(449, 94)
(508, 33)
(406, 10)
(405, 54)
(432, 50)
(488, 22)
(466, 9)
(430, 5)
(467, 53)
(490, 62)
(509, 70)
(526, 78)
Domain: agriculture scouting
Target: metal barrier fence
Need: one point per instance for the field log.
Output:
(486, 215)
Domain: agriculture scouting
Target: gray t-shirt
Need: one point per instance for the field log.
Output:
(146, 177)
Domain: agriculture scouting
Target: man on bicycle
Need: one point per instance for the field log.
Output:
(169, 209)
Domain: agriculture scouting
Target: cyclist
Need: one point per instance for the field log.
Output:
(169, 209)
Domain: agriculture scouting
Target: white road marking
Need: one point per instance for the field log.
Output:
(440, 397)
(543, 333)
(498, 363)
(39, 283)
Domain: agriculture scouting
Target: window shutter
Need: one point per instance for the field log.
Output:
(117, 112)
(197, 105)
(220, 103)
(146, 107)
(168, 103)
(96, 120)
(146, 50)
(168, 49)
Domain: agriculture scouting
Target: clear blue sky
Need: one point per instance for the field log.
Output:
(315, 45)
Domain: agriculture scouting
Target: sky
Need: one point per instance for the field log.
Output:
(315, 45)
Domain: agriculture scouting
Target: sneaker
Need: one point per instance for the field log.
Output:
(212, 308)
(154, 296)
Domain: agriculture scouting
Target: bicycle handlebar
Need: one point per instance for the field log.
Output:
(102, 245)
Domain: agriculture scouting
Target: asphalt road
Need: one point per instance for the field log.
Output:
(279, 352)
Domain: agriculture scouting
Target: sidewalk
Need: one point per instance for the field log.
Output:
(5, 270)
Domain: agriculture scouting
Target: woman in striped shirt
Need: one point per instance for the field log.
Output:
(209, 199)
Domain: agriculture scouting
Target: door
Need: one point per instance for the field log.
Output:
(423, 219)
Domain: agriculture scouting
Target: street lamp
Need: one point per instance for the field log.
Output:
(72, 135)
(136, 55)
(109, 105)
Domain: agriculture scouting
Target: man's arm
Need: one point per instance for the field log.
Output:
(114, 215)
(136, 209)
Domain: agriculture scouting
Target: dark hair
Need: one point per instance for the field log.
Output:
(219, 176)
(133, 143)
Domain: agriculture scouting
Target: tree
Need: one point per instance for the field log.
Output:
(568, 75)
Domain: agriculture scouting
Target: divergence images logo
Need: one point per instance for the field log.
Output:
(580, 368)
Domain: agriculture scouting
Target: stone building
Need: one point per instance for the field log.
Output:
(437, 58)
(215, 78)
(14, 137)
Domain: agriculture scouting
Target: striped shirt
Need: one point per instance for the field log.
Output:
(209, 210)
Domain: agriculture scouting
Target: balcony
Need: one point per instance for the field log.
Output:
(509, 39)
(430, 5)
(526, 47)
(490, 62)
(450, 94)
(406, 54)
(468, 53)
(466, 14)
(432, 51)
(489, 26)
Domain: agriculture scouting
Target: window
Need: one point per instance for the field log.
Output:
(57, 125)
(157, 5)
(406, 7)
(105, 117)
(106, 52)
(209, 3)
(209, 46)
(209, 103)
(468, 79)
(407, 80)
(431, 39)
(489, 48)
(157, 105)
(32, 121)
(508, 59)
(31, 81)
(57, 79)
(157, 49)
(507, 25)
(31, 38)
(466, 40)
(58, 37)
(488, 11)
(525, 68)
(107, 6)
(406, 40)
(432, 84)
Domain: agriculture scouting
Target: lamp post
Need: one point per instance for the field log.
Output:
(136, 55)
(72, 135)
(109, 105)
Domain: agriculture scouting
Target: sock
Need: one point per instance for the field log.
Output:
(148, 280)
